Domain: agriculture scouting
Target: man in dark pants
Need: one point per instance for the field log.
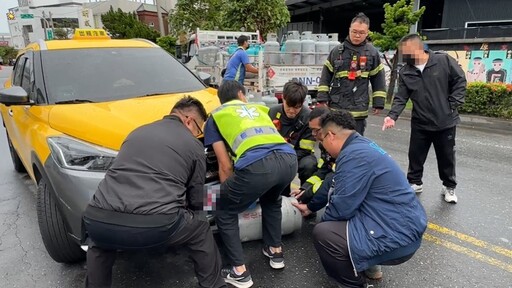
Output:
(291, 120)
(264, 165)
(372, 215)
(350, 67)
(148, 196)
(437, 86)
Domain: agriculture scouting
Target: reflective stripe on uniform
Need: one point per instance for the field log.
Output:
(313, 180)
(329, 66)
(343, 74)
(316, 186)
(376, 70)
(323, 88)
(307, 144)
(356, 114)
(379, 94)
(320, 163)
(251, 132)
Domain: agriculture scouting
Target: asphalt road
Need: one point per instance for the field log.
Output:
(466, 245)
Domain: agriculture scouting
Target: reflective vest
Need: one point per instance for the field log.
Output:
(245, 125)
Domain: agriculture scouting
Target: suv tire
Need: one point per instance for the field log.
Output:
(58, 243)
(16, 161)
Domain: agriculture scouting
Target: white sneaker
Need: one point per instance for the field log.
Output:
(417, 188)
(449, 195)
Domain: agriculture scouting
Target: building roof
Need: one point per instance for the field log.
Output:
(305, 6)
(150, 8)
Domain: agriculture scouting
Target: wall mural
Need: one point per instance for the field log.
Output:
(489, 66)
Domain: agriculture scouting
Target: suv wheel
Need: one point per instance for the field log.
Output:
(16, 161)
(55, 236)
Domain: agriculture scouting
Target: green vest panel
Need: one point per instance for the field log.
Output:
(245, 125)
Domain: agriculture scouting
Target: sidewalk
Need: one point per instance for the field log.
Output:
(471, 121)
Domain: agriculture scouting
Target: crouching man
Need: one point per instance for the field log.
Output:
(148, 196)
(372, 216)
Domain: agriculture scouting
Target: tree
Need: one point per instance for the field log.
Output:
(398, 19)
(191, 14)
(124, 25)
(7, 53)
(168, 43)
(263, 15)
(60, 33)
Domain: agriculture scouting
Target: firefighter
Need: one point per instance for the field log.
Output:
(347, 72)
(326, 163)
(291, 120)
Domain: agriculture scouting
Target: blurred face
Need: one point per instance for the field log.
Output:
(358, 32)
(291, 112)
(411, 51)
(315, 127)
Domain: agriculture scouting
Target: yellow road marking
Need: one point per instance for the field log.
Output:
(466, 251)
(470, 240)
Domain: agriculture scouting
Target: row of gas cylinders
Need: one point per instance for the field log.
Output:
(306, 48)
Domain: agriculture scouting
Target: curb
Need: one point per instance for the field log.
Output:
(471, 121)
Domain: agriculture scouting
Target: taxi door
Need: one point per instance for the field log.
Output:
(20, 120)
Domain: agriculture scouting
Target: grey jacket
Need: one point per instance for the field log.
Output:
(160, 168)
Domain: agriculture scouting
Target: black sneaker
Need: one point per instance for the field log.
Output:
(276, 259)
(240, 281)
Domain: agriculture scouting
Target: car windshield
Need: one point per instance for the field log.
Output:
(107, 74)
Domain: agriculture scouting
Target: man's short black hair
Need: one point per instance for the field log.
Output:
(318, 112)
(241, 40)
(361, 18)
(188, 103)
(409, 37)
(228, 90)
(477, 58)
(340, 118)
(497, 60)
(294, 93)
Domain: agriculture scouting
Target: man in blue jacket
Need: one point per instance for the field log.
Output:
(372, 215)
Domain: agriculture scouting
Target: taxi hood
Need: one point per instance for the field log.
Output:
(107, 124)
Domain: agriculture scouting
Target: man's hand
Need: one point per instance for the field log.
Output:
(388, 123)
(297, 193)
(376, 111)
(303, 208)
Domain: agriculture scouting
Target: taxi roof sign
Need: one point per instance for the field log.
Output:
(90, 34)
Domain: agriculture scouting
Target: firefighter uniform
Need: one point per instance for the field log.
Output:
(297, 133)
(345, 77)
(326, 165)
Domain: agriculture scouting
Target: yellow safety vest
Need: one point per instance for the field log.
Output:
(245, 125)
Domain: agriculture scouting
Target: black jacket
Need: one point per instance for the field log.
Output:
(436, 93)
(160, 168)
(340, 91)
(295, 131)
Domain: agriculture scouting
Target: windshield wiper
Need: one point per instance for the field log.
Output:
(74, 101)
(154, 94)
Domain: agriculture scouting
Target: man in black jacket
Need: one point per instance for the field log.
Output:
(436, 85)
(350, 67)
(148, 197)
(291, 120)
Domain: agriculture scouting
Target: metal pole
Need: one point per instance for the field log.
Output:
(45, 26)
(416, 7)
(160, 19)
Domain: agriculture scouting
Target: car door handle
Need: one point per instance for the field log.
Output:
(10, 112)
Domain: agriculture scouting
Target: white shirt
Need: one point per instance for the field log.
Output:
(421, 67)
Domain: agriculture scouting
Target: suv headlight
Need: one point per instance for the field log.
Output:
(73, 154)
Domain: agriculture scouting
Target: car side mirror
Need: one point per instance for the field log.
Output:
(14, 95)
(205, 77)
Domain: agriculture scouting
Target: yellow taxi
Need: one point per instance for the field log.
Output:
(67, 108)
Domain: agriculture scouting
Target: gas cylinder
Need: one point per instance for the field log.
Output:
(251, 225)
(307, 48)
(322, 49)
(333, 41)
(271, 50)
(293, 48)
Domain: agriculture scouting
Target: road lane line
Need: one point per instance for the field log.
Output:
(469, 239)
(468, 252)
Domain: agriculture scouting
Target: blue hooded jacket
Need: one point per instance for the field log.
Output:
(385, 218)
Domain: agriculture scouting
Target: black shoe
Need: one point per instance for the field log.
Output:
(240, 281)
(276, 259)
